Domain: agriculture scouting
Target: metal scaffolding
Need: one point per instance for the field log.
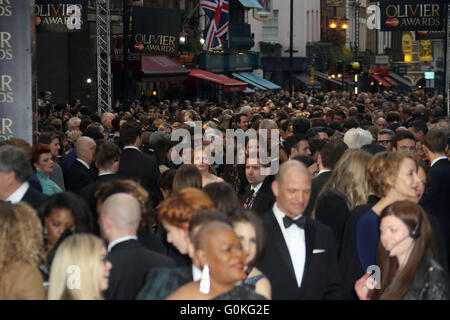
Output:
(103, 56)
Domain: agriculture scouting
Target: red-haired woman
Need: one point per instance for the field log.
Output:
(42, 161)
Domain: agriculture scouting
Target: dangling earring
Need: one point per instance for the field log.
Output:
(45, 232)
(204, 282)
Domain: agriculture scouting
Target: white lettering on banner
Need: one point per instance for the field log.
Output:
(74, 21)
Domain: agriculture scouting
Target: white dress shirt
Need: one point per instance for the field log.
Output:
(84, 163)
(117, 241)
(294, 238)
(256, 189)
(17, 195)
(132, 147)
(437, 159)
(323, 171)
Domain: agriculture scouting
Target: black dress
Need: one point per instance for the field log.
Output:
(240, 292)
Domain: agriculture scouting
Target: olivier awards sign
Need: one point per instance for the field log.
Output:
(15, 70)
(61, 15)
(412, 15)
(156, 31)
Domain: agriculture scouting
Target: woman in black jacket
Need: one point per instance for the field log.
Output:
(407, 269)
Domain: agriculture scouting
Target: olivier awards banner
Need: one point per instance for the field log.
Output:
(412, 15)
(61, 15)
(15, 70)
(156, 31)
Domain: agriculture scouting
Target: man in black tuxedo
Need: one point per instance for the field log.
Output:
(258, 193)
(119, 220)
(134, 164)
(406, 115)
(80, 174)
(436, 200)
(107, 163)
(15, 170)
(301, 258)
(327, 157)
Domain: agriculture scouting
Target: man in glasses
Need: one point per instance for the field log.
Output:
(384, 138)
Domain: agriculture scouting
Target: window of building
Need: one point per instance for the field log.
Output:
(270, 28)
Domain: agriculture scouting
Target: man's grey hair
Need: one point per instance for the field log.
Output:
(387, 131)
(71, 121)
(355, 138)
(14, 159)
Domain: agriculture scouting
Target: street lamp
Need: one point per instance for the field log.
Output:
(333, 23)
(344, 23)
(183, 37)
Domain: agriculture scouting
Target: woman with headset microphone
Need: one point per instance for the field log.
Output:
(407, 269)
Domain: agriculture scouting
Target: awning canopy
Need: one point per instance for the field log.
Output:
(401, 79)
(390, 80)
(162, 68)
(261, 81)
(306, 79)
(381, 80)
(328, 78)
(250, 82)
(248, 90)
(251, 4)
(230, 85)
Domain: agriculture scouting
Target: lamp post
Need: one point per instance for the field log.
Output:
(126, 31)
(291, 43)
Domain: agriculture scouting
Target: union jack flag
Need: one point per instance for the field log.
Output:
(215, 33)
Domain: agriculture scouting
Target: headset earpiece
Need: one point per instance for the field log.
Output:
(416, 232)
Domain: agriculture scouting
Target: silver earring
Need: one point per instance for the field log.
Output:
(205, 282)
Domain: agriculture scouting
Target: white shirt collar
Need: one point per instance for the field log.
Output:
(132, 147)
(196, 273)
(295, 243)
(17, 195)
(84, 163)
(117, 241)
(437, 159)
(323, 171)
(105, 173)
(256, 189)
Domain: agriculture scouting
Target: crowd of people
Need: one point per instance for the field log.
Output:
(359, 208)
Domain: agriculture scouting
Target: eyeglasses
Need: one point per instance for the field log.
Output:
(384, 141)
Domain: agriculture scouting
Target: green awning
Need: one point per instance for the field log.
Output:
(261, 81)
(251, 4)
(250, 82)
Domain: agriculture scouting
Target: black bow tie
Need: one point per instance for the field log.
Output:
(299, 222)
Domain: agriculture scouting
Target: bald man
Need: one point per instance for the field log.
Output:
(80, 173)
(301, 258)
(119, 218)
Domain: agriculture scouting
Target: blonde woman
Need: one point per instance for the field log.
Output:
(21, 244)
(80, 269)
(346, 188)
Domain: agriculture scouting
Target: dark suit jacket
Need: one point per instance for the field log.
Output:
(436, 200)
(88, 193)
(33, 197)
(161, 283)
(142, 168)
(321, 279)
(316, 186)
(78, 176)
(332, 210)
(264, 199)
(131, 263)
